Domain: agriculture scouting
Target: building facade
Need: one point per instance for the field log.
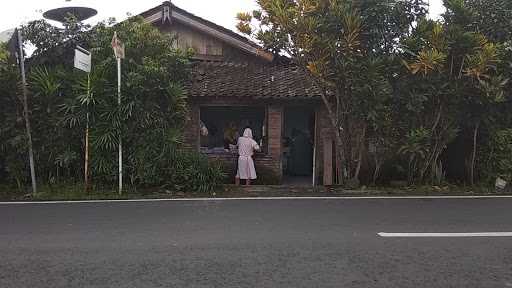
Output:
(235, 84)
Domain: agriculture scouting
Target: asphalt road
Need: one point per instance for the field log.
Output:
(263, 243)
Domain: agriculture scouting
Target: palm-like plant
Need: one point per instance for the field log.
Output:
(45, 87)
(416, 147)
(456, 66)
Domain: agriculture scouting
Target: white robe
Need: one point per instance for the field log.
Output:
(246, 147)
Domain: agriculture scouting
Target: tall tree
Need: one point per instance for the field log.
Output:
(153, 101)
(487, 66)
(455, 76)
(491, 18)
(12, 165)
(340, 43)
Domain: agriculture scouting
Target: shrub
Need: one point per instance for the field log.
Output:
(193, 172)
(496, 160)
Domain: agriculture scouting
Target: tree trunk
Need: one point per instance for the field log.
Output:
(432, 155)
(18, 183)
(337, 134)
(473, 156)
(376, 172)
(410, 176)
(360, 153)
(341, 154)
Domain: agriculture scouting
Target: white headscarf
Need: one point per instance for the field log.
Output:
(248, 133)
(203, 129)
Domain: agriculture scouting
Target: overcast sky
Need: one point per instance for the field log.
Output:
(222, 12)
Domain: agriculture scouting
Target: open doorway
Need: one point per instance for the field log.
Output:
(298, 138)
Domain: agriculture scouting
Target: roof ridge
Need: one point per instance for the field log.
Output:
(222, 63)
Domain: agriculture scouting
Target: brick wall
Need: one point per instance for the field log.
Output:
(191, 131)
(265, 166)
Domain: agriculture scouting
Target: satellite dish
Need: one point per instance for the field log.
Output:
(60, 14)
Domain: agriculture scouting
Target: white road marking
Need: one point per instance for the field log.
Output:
(258, 199)
(429, 235)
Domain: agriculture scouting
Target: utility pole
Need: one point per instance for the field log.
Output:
(118, 47)
(26, 114)
(120, 132)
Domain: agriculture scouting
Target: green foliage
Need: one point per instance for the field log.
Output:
(396, 86)
(12, 164)
(455, 78)
(153, 105)
(416, 147)
(191, 171)
(496, 156)
(347, 46)
(176, 170)
(452, 79)
(64, 100)
(491, 17)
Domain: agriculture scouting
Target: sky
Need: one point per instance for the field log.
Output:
(221, 12)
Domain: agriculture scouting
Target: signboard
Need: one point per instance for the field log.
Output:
(118, 47)
(82, 59)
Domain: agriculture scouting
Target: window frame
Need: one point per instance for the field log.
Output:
(264, 148)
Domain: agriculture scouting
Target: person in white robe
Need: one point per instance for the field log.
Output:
(246, 147)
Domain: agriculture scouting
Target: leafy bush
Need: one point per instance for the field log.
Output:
(416, 147)
(192, 172)
(157, 160)
(496, 160)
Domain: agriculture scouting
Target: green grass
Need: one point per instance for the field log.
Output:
(72, 192)
(69, 192)
(445, 189)
(75, 192)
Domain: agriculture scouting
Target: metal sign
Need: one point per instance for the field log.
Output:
(118, 47)
(82, 59)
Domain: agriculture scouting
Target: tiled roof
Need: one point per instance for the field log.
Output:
(214, 79)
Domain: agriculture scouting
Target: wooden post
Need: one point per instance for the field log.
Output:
(328, 180)
(315, 135)
(86, 164)
(275, 133)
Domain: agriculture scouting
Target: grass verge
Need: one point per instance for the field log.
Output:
(75, 192)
